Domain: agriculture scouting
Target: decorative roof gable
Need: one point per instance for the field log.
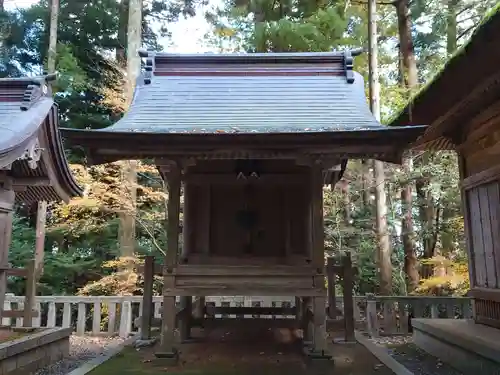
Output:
(30, 146)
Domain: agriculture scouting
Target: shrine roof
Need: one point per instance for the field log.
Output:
(467, 85)
(259, 94)
(31, 151)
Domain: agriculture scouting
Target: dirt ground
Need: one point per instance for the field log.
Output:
(7, 334)
(253, 349)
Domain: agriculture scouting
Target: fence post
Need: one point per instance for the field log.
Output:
(81, 319)
(348, 297)
(371, 315)
(332, 299)
(125, 319)
(29, 299)
(7, 306)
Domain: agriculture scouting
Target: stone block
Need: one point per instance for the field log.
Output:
(470, 348)
(9, 365)
(166, 358)
(28, 354)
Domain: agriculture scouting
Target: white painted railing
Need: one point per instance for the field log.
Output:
(111, 315)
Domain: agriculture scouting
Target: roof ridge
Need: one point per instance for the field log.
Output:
(161, 63)
(38, 89)
(34, 80)
(254, 55)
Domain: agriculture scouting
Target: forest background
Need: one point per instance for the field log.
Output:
(88, 243)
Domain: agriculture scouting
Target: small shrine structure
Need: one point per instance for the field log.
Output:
(33, 167)
(252, 139)
(462, 107)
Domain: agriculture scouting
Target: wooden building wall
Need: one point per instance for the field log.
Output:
(480, 172)
(219, 203)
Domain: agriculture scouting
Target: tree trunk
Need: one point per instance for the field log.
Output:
(448, 246)
(54, 15)
(367, 183)
(121, 50)
(129, 167)
(344, 188)
(451, 27)
(409, 79)
(428, 216)
(410, 257)
(383, 242)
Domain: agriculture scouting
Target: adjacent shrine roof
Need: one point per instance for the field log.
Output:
(271, 94)
(31, 151)
(467, 86)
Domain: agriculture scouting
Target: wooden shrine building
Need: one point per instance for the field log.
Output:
(33, 166)
(252, 138)
(462, 107)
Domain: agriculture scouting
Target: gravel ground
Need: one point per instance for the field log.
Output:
(402, 349)
(81, 350)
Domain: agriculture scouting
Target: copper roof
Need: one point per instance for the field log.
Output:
(30, 145)
(195, 97)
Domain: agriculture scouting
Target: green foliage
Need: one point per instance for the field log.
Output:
(453, 280)
(81, 244)
(123, 279)
(262, 26)
(61, 268)
(319, 32)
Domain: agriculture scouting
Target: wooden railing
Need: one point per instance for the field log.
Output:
(390, 315)
(112, 315)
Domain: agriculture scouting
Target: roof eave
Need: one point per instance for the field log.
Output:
(101, 146)
(69, 188)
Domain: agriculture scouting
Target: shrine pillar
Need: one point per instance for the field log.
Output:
(168, 343)
(185, 317)
(318, 260)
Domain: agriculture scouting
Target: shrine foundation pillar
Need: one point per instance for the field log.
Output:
(169, 338)
(186, 314)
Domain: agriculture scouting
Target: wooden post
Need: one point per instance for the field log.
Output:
(287, 223)
(147, 298)
(298, 310)
(371, 315)
(168, 337)
(7, 197)
(185, 317)
(30, 293)
(319, 322)
(200, 308)
(318, 260)
(348, 297)
(304, 308)
(41, 216)
(330, 274)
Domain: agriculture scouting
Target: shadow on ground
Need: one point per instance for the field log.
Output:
(246, 349)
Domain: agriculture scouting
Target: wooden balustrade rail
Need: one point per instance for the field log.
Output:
(114, 315)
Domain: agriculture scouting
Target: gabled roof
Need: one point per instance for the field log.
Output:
(261, 93)
(31, 150)
(467, 85)
(181, 99)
